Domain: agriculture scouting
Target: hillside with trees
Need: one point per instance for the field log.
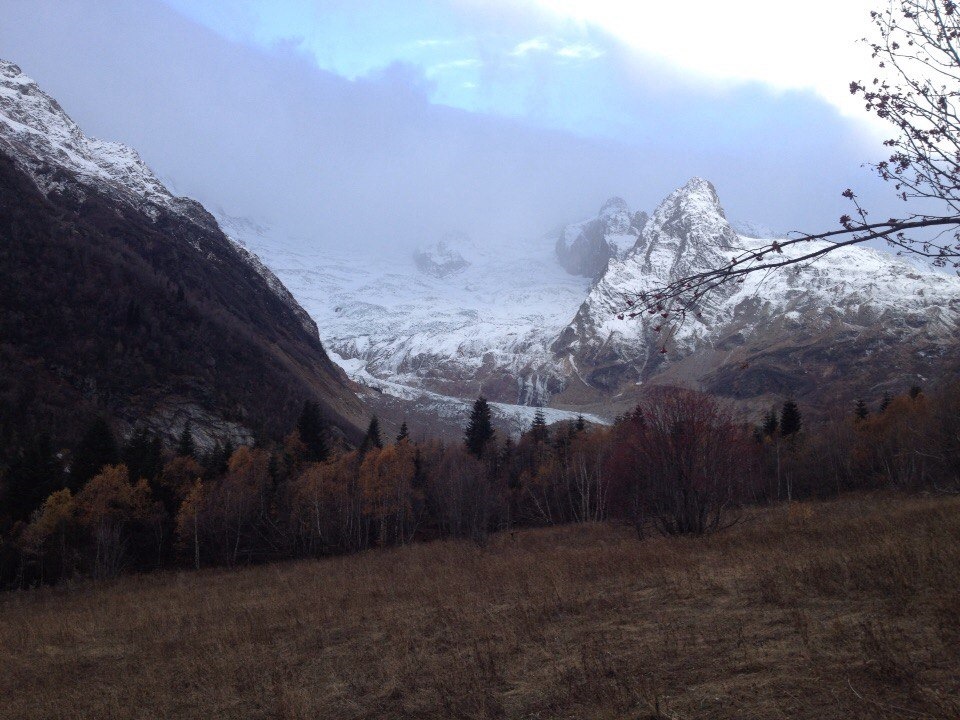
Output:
(681, 463)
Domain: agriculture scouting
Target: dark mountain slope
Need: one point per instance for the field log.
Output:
(154, 318)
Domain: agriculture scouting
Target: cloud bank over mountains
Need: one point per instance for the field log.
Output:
(255, 125)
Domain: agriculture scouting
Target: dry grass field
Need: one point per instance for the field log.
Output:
(841, 609)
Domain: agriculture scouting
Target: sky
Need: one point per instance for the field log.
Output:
(394, 122)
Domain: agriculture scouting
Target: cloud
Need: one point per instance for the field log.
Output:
(580, 51)
(557, 47)
(374, 162)
(462, 64)
(783, 45)
(532, 45)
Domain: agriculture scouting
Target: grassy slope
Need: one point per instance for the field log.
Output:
(844, 609)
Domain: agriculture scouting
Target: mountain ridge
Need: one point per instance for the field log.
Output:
(566, 340)
(157, 318)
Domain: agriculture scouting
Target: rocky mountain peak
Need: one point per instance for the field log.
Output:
(46, 143)
(613, 206)
(586, 248)
(687, 232)
(442, 258)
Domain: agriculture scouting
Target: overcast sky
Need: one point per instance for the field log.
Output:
(396, 121)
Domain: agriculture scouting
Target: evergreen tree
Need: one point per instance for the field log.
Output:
(217, 460)
(885, 403)
(313, 432)
(860, 411)
(915, 392)
(185, 445)
(507, 461)
(373, 438)
(142, 455)
(479, 428)
(538, 430)
(581, 423)
(790, 420)
(770, 423)
(32, 476)
(419, 480)
(404, 433)
(96, 449)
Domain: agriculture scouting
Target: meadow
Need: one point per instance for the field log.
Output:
(847, 608)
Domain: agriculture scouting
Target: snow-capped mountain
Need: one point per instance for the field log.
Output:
(428, 342)
(526, 323)
(856, 318)
(517, 326)
(127, 301)
(747, 229)
(47, 144)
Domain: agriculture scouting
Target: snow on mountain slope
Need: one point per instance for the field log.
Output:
(55, 152)
(44, 140)
(748, 229)
(442, 258)
(853, 298)
(515, 326)
(434, 341)
(209, 335)
(445, 415)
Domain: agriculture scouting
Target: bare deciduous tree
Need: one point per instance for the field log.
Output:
(683, 464)
(916, 47)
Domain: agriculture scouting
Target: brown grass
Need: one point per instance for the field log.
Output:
(844, 609)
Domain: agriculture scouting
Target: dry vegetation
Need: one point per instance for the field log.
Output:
(841, 609)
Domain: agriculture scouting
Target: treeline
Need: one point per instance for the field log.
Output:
(681, 463)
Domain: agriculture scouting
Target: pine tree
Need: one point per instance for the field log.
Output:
(185, 445)
(404, 433)
(313, 432)
(96, 449)
(770, 423)
(373, 438)
(142, 455)
(790, 420)
(860, 411)
(538, 430)
(581, 423)
(885, 403)
(217, 460)
(915, 392)
(34, 474)
(419, 481)
(480, 427)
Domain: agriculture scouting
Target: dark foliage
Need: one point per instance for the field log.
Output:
(186, 447)
(538, 429)
(373, 438)
(97, 449)
(34, 474)
(790, 420)
(479, 432)
(885, 402)
(860, 410)
(313, 431)
(143, 455)
(106, 311)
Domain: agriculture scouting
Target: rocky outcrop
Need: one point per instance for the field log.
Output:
(440, 260)
(587, 248)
